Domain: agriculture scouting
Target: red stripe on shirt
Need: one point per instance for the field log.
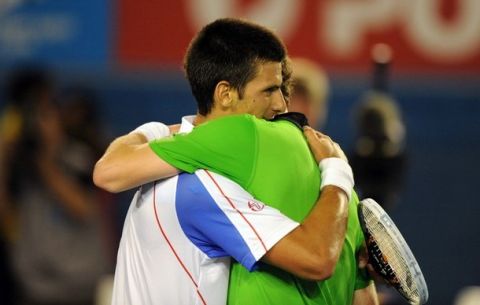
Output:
(235, 208)
(173, 249)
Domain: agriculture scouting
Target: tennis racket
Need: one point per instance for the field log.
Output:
(389, 253)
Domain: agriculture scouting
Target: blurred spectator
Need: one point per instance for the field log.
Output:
(80, 117)
(310, 91)
(57, 255)
(379, 157)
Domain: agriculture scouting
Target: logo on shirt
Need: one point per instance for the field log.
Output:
(255, 206)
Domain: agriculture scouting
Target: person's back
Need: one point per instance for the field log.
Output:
(272, 161)
(287, 177)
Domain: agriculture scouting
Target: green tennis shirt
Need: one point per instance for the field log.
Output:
(272, 161)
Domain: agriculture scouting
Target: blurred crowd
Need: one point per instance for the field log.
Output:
(55, 241)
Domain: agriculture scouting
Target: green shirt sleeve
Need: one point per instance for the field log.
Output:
(226, 146)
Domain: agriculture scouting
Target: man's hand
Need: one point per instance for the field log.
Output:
(362, 256)
(364, 263)
(322, 146)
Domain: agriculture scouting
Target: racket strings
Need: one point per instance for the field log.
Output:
(389, 249)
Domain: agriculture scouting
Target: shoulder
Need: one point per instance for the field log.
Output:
(236, 130)
(241, 121)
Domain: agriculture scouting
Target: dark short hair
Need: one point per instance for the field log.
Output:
(229, 50)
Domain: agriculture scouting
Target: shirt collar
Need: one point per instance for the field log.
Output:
(187, 123)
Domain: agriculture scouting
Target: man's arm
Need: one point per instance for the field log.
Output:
(312, 250)
(129, 162)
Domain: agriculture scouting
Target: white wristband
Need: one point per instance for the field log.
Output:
(337, 172)
(153, 130)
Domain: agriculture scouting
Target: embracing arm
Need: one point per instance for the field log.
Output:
(129, 162)
(312, 250)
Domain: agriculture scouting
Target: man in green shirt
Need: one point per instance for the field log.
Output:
(257, 155)
(269, 159)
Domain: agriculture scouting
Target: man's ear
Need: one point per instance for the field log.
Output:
(223, 95)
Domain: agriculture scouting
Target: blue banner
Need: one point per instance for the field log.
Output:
(57, 32)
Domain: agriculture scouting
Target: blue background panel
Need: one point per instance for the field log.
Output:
(67, 32)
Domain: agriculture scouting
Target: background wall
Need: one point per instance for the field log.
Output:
(130, 52)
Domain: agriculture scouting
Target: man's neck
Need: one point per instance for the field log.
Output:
(199, 119)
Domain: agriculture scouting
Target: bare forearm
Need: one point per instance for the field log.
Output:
(312, 250)
(113, 167)
(122, 143)
(129, 162)
(326, 225)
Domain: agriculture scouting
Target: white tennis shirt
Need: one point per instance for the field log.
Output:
(180, 233)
